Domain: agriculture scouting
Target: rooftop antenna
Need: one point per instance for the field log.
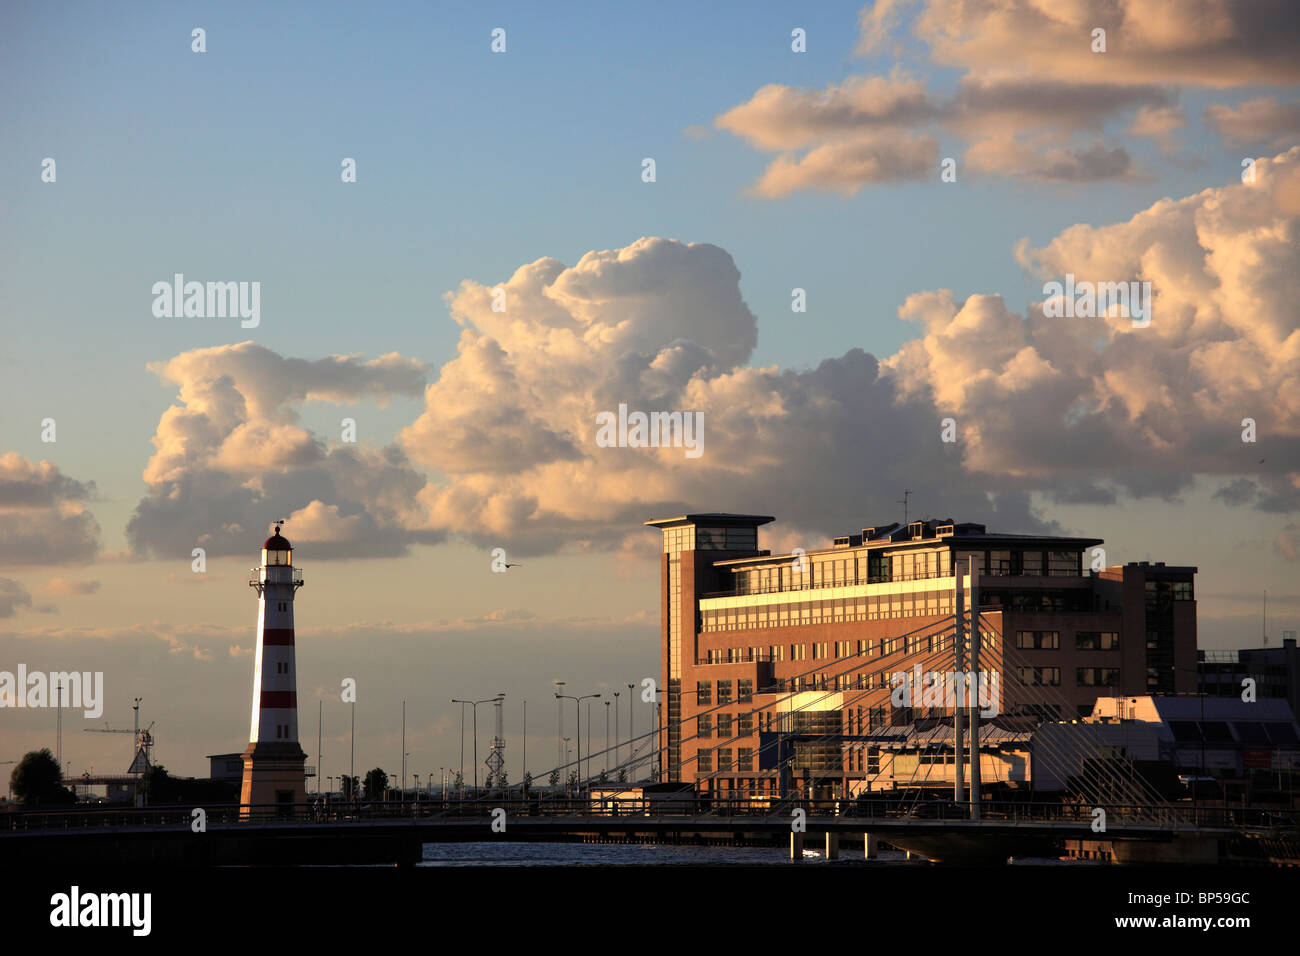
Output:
(903, 502)
(1264, 623)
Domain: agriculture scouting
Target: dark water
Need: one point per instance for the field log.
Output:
(618, 854)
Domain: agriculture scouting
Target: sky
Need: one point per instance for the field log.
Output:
(523, 171)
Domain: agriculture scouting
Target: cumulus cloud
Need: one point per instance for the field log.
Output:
(43, 515)
(232, 455)
(504, 452)
(1145, 408)
(658, 326)
(1209, 43)
(1033, 102)
(868, 130)
(12, 597)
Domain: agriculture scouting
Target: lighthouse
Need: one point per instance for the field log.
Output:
(274, 771)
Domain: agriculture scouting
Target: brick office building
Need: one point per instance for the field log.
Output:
(775, 668)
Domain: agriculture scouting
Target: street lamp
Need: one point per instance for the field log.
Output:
(631, 733)
(559, 720)
(474, 706)
(577, 704)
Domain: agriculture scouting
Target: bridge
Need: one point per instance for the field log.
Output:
(395, 832)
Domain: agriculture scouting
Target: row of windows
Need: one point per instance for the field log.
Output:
(865, 608)
(913, 564)
(913, 644)
(744, 760)
(1083, 676)
(744, 691)
(1083, 640)
(742, 726)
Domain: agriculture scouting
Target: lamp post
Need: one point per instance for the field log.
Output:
(618, 741)
(631, 732)
(607, 738)
(474, 706)
(577, 709)
(559, 722)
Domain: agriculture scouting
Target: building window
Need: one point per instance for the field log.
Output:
(1182, 590)
(744, 690)
(745, 760)
(724, 726)
(744, 725)
(1040, 676)
(1097, 676)
(1063, 563)
(704, 693)
(1096, 640)
(724, 692)
(705, 726)
(724, 759)
(704, 761)
(1038, 640)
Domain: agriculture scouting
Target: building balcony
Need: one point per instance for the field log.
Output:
(996, 571)
(274, 574)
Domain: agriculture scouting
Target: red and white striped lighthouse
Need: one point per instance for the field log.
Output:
(274, 771)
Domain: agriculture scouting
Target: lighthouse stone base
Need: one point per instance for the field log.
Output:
(274, 776)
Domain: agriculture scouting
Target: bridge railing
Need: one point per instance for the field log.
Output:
(702, 808)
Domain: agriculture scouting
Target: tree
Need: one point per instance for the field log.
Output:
(376, 784)
(350, 787)
(528, 782)
(573, 780)
(554, 780)
(503, 780)
(37, 781)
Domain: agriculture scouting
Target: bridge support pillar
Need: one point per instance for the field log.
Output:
(871, 845)
(832, 846)
(796, 846)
